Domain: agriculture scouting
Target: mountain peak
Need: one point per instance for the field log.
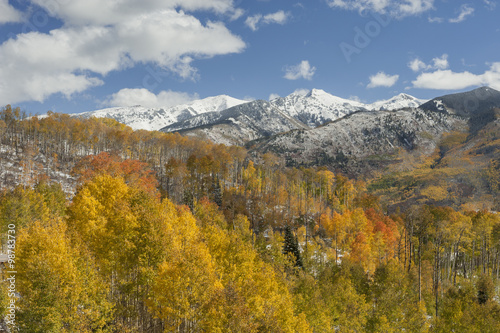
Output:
(397, 102)
(406, 96)
(316, 107)
(476, 105)
(317, 92)
(154, 118)
(485, 88)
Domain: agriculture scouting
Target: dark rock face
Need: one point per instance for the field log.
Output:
(477, 106)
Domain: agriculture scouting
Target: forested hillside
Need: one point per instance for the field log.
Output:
(135, 231)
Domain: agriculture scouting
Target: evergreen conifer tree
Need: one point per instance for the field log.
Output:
(291, 246)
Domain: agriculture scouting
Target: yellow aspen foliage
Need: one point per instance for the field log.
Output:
(102, 216)
(186, 281)
(309, 301)
(395, 306)
(265, 295)
(251, 177)
(434, 193)
(21, 207)
(59, 292)
(347, 308)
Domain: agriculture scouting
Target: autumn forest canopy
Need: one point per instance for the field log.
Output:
(138, 231)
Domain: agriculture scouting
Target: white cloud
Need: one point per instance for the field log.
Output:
(441, 63)
(395, 8)
(254, 22)
(355, 99)
(465, 11)
(131, 97)
(382, 80)
(418, 65)
(413, 7)
(435, 19)
(273, 96)
(98, 12)
(237, 13)
(449, 80)
(490, 5)
(8, 13)
(300, 71)
(71, 59)
(301, 91)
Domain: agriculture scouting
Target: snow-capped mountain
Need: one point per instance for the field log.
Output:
(239, 124)
(316, 107)
(313, 108)
(363, 141)
(152, 119)
(477, 105)
(370, 140)
(398, 102)
(260, 119)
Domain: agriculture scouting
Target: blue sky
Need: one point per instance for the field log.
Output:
(79, 55)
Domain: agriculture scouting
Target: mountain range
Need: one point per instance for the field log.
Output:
(312, 108)
(368, 141)
(315, 128)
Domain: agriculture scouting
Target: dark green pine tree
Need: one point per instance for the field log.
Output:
(485, 289)
(291, 246)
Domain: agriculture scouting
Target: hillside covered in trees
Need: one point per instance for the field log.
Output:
(136, 231)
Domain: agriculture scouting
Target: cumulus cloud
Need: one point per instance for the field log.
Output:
(395, 8)
(90, 45)
(254, 22)
(447, 79)
(465, 11)
(144, 97)
(418, 65)
(441, 63)
(8, 13)
(381, 79)
(300, 71)
(98, 12)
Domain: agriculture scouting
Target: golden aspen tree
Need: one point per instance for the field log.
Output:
(186, 282)
(102, 216)
(395, 302)
(266, 296)
(59, 292)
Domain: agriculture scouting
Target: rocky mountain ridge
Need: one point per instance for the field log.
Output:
(153, 119)
(313, 108)
(363, 142)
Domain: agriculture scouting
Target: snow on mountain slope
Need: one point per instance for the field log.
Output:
(152, 119)
(239, 124)
(362, 141)
(316, 107)
(398, 102)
